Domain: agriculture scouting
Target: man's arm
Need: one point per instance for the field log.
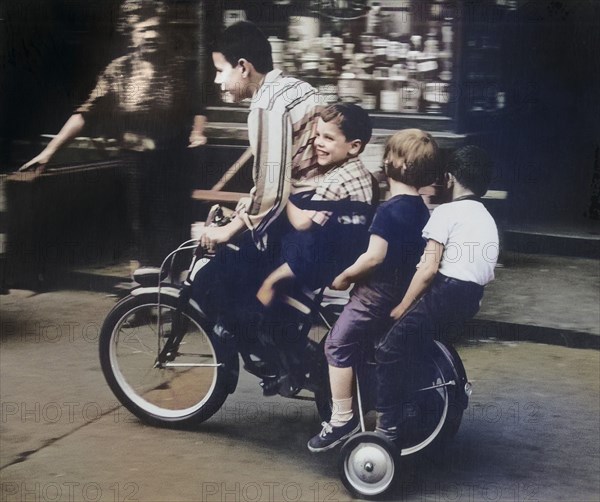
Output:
(76, 122)
(72, 128)
(364, 265)
(197, 137)
(426, 271)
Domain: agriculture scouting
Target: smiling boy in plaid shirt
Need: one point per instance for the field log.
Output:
(331, 222)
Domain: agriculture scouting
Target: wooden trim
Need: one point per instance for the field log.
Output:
(217, 196)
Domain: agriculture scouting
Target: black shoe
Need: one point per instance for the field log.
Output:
(270, 386)
(283, 385)
(331, 436)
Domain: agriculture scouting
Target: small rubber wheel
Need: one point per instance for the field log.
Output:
(368, 464)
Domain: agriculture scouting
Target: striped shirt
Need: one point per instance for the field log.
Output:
(281, 129)
(350, 181)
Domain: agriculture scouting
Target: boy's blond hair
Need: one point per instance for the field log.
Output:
(417, 156)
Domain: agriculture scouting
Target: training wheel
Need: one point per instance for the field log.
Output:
(368, 463)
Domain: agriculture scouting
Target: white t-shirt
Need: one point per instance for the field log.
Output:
(470, 238)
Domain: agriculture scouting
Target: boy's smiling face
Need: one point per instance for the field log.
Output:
(231, 79)
(331, 144)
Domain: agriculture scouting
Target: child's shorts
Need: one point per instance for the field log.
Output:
(365, 318)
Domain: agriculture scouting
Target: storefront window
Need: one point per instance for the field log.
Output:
(394, 56)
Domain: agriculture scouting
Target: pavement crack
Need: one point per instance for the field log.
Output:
(23, 456)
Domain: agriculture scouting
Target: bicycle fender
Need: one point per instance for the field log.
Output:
(174, 292)
(455, 365)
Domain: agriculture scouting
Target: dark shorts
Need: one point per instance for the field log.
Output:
(364, 319)
(439, 314)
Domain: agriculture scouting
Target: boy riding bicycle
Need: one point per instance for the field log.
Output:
(447, 288)
(329, 223)
(382, 273)
(281, 127)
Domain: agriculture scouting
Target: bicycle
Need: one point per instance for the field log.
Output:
(170, 365)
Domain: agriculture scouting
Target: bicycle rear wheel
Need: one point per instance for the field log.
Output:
(433, 413)
(187, 389)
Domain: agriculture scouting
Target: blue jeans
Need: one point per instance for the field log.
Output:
(439, 314)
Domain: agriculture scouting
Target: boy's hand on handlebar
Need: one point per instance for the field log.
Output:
(213, 236)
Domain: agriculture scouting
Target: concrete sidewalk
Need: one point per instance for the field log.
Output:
(541, 298)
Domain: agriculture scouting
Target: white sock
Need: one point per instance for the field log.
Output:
(341, 412)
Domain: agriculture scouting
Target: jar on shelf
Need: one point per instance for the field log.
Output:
(389, 97)
(350, 88)
(327, 94)
(304, 27)
(369, 101)
(380, 51)
(310, 64)
(375, 19)
(431, 47)
(436, 98)
(338, 52)
(445, 60)
(277, 50)
(410, 94)
(427, 69)
(327, 68)
(348, 52)
(366, 43)
(393, 52)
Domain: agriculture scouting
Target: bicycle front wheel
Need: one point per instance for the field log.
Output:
(187, 389)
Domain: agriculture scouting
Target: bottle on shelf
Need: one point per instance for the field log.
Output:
(350, 87)
(410, 94)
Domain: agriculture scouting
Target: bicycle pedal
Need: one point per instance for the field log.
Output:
(287, 386)
(270, 386)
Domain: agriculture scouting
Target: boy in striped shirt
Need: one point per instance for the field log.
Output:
(281, 129)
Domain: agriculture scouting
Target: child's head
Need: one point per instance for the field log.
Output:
(343, 131)
(472, 168)
(242, 52)
(411, 157)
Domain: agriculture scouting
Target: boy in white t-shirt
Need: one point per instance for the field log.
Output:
(447, 288)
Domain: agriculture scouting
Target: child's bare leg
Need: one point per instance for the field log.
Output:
(266, 293)
(340, 380)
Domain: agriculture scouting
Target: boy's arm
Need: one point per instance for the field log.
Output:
(364, 265)
(211, 236)
(266, 293)
(299, 218)
(426, 271)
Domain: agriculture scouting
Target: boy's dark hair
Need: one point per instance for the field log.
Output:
(418, 154)
(472, 168)
(245, 40)
(352, 120)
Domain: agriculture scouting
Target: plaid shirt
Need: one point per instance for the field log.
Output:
(351, 180)
(281, 129)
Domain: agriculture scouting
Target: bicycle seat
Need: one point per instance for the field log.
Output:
(149, 276)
